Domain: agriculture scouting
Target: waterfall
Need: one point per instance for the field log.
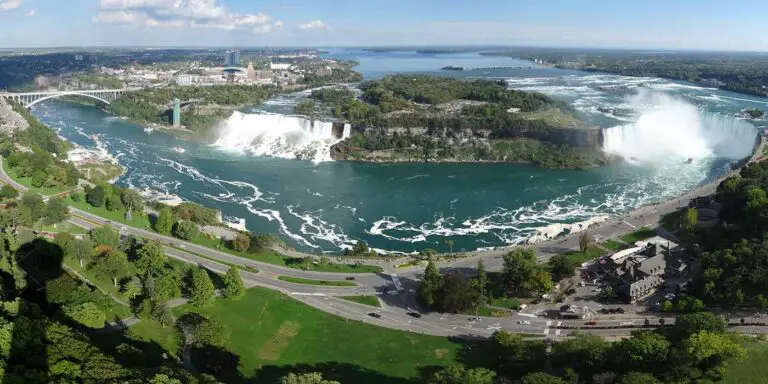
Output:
(278, 135)
(670, 128)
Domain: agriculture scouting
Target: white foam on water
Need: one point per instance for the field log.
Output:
(670, 128)
(292, 137)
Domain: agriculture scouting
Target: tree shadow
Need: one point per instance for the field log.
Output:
(43, 335)
(341, 372)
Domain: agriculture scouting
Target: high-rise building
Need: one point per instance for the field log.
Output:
(232, 58)
(176, 112)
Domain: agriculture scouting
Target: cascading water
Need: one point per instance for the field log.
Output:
(671, 129)
(279, 136)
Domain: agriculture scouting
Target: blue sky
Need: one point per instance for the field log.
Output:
(674, 24)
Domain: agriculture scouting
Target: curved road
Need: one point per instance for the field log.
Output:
(396, 291)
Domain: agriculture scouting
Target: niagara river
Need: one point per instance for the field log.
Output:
(675, 136)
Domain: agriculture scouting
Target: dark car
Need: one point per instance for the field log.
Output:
(414, 314)
(620, 310)
(604, 311)
(350, 278)
(374, 314)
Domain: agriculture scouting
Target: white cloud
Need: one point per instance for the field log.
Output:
(9, 5)
(314, 24)
(31, 12)
(179, 13)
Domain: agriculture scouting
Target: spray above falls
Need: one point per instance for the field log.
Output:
(669, 128)
(276, 135)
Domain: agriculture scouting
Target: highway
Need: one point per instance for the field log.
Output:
(396, 304)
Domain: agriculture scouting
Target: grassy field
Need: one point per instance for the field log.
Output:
(578, 257)
(373, 301)
(640, 234)
(115, 311)
(139, 221)
(273, 333)
(505, 302)
(62, 227)
(328, 283)
(272, 257)
(754, 369)
(613, 245)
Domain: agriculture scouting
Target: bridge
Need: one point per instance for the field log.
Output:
(28, 99)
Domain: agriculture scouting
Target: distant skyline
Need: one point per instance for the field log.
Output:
(651, 24)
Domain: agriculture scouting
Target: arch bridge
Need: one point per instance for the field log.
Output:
(28, 99)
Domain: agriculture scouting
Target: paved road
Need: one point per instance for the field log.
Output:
(400, 287)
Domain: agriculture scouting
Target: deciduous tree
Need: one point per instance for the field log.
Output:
(585, 240)
(150, 258)
(88, 314)
(201, 290)
(95, 196)
(186, 230)
(430, 284)
(233, 284)
(241, 242)
(56, 211)
(165, 221)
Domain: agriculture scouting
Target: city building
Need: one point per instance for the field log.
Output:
(251, 72)
(639, 271)
(232, 58)
(324, 71)
(279, 66)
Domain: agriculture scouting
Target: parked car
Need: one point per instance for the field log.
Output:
(603, 311)
(591, 322)
(524, 322)
(570, 291)
(620, 310)
(670, 296)
(350, 278)
(414, 314)
(374, 314)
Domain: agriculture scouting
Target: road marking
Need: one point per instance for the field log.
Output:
(396, 281)
(549, 322)
(557, 332)
(307, 294)
(559, 323)
(546, 331)
(527, 314)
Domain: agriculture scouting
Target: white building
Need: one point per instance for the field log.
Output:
(279, 66)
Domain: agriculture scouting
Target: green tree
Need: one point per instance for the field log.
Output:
(201, 331)
(164, 287)
(80, 250)
(132, 200)
(131, 288)
(186, 230)
(113, 265)
(693, 323)
(56, 211)
(482, 282)
(105, 236)
(306, 378)
(585, 240)
(638, 378)
(584, 353)
(163, 379)
(201, 290)
(429, 285)
(449, 243)
(8, 192)
(541, 378)
(645, 349)
(165, 221)
(233, 284)
(519, 269)
(76, 196)
(95, 196)
(689, 220)
(458, 374)
(87, 314)
(539, 283)
(242, 242)
(35, 204)
(150, 258)
(560, 267)
(713, 348)
(113, 203)
(455, 294)
(62, 239)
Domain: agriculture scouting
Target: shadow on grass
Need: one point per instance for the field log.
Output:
(341, 372)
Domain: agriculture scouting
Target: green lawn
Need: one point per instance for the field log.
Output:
(487, 312)
(505, 302)
(613, 245)
(272, 332)
(329, 283)
(139, 221)
(754, 369)
(373, 301)
(62, 227)
(27, 182)
(578, 257)
(640, 234)
(115, 311)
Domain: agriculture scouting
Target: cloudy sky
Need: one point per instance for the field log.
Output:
(687, 24)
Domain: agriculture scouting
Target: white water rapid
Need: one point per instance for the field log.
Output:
(278, 135)
(669, 128)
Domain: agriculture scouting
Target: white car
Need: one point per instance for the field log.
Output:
(524, 322)
(670, 296)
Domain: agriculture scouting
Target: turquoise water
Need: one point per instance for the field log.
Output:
(408, 207)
